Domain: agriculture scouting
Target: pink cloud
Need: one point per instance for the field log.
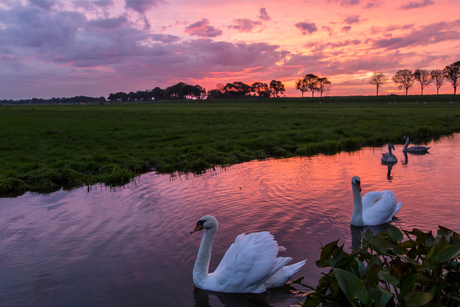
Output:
(244, 25)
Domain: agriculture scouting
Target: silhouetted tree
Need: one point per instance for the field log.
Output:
(260, 89)
(311, 81)
(301, 85)
(379, 79)
(277, 88)
(215, 94)
(236, 89)
(158, 93)
(323, 85)
(452, 73)
(423, 77)
(438, 78)
(404, 78)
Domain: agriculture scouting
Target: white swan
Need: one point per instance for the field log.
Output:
(375, 208)
(250, 265)
(389, 157)
(414, 149)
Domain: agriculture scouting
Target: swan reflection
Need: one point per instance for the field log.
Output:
(390, 166)
(201, 298)
(357, 237)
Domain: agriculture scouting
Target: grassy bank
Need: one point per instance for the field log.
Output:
(43, 148)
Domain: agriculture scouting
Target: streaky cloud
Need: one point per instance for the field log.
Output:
(416, 5)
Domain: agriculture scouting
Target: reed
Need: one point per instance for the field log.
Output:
(46, 147)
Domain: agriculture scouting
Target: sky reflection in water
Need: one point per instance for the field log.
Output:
(133, 246)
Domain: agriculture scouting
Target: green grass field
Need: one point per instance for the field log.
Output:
(46, 147)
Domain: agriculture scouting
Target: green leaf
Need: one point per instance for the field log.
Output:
(407, 244)
(374, 242)
(351, 286)
(389, 278)
(372, 277)
(417, 298)
(326, 252)
(395, 233)
(379, 296)
(447, 254)
(407, 285)
(409, 259)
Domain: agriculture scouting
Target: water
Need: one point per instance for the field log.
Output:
(133, 247)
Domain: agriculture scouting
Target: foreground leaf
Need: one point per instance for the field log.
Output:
(352, 286)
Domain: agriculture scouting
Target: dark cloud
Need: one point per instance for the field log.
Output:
(244, 25)
(141, 6)
(202, 29)
(346, 29)
(165, 38)
(305, 27)
(346, 3)
(352, 19)
(416, 5)
(430, 34)
(108, 23)
(103, 3)
(372, 5)
(264, 15)
(44, 4)
(32, 27)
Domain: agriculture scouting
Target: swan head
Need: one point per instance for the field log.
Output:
(356, 181)
(206, 222)
(392, 146)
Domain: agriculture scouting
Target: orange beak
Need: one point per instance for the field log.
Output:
(358, 185)
(197, 228)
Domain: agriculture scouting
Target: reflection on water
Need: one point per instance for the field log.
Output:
(132, 246)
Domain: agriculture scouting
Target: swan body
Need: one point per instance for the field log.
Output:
(389, 157)
(414, 149)
(375, 208)
(250, 265)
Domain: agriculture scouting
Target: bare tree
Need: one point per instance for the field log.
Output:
(379, 79)
(452, 73)
(423, 77)
(301, 85)
(404, 78)
(438, 78)
(323, 85)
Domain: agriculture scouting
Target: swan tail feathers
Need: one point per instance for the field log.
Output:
(283, 275)
(398, 207)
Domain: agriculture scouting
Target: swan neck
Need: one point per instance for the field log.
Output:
(405, 145)
(201, 268)
(389, 150)
(357, 216)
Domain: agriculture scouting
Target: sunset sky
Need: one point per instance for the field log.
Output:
(65, 48)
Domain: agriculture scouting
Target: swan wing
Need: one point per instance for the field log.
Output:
(379, 207)
(248, 263)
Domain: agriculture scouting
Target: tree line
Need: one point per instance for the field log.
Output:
(182, 90)
(405, 78)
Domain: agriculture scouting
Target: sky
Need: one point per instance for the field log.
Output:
(66, 48)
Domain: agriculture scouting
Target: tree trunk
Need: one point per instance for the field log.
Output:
(407, 89)
(422, 90)
(437, 91)
(377, 90)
